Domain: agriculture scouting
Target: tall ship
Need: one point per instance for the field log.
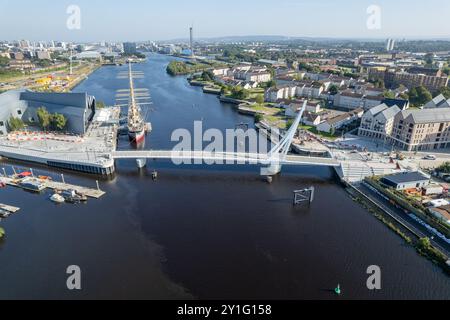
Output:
(136, 125)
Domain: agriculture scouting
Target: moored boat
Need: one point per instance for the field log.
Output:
(32, 186)
(57, 198)
(73, 196)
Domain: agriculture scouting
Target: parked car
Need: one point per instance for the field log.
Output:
(430, 157)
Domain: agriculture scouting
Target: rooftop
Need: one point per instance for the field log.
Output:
(428, 115)
(405, 177)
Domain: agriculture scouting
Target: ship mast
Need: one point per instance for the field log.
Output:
(133, 107)
(133, 99)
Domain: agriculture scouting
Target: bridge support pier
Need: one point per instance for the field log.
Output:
(271, 170)
(141, 163)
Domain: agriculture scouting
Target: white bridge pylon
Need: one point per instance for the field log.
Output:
(278, 154)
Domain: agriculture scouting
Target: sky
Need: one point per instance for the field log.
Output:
(141, 20)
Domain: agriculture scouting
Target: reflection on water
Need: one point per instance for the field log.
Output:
(214, 232)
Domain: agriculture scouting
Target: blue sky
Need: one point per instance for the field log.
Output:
(111, 20)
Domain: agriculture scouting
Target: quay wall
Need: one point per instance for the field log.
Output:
(92, 168)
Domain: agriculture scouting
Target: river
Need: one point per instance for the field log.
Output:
(214, 232)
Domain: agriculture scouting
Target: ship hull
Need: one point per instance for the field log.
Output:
(137, 136)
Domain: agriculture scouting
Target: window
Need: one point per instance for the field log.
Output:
(19, 112)
(2, 124)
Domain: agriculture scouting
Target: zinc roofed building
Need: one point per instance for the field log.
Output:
(78, 108)
(378, 122)
(420, 130)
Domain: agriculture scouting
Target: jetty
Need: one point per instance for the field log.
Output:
(54, 185)
(8, 208)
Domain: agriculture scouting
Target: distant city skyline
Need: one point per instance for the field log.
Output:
(139, 20)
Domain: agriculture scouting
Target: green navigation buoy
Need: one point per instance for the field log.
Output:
(338, 290)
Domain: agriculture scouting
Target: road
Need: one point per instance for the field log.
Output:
(399, 214)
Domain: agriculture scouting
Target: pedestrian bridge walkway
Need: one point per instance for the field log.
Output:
(188, 157)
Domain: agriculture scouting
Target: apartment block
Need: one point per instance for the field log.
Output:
(420, 130)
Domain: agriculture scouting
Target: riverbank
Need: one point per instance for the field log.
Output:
(420, 242)
(56, 79)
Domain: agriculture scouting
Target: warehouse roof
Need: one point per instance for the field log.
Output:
(406, 177)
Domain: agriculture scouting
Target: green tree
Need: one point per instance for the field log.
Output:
(380, 84)
(258, 117)
(389, 94)
(44, 118)
(445, 168)
(446, 70)
(271, 84)
(208, 75)
(424, 243)
(15, 124)
(260, 99)
(334, 89)
(4, 61)
(420, 96)
(445, 91)
(225, 90)
(2, 233)
(99, 104)
(429, 59)
(240, 93)
(58, 122)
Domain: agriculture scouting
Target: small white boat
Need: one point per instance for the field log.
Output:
(57, 198)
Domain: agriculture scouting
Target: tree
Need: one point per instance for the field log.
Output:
(176, 68)
(260, 99)
(429, 58)
(446, 70)
(424, 243)
(380, 84)
(240, 93)
(4, 61)
(99, 104)
(258, 117)
(389, 94)
(58, 122)
(445, 91)
(2, 233)
(334, 89)
(15, 124)
(445, 168)
(208, 75)
(271, 84)
(420, 96)
(44, 118)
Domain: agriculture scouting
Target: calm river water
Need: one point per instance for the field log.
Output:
(219, 232)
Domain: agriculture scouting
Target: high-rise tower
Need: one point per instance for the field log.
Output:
(191, 41)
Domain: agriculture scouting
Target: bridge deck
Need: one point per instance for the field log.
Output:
(224, 157)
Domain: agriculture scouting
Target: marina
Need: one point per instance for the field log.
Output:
(28, 183)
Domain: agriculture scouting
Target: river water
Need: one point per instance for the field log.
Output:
(218, 232)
